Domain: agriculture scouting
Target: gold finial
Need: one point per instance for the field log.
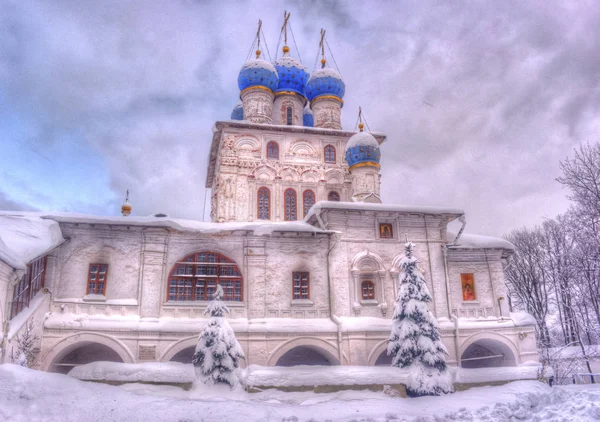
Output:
(285, 49)
(257, 54)
(126, 207)
(361, 126)
(323, 61)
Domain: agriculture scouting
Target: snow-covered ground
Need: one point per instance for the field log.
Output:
(28, 395)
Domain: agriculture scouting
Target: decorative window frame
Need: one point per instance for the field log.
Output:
(96, 294)
(305, 210)
(218, 264)
(368, 266)
(269, 206)
(330, 147)
(302, 301)
(295, 210)
(267, 150)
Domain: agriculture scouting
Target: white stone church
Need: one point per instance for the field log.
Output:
(300, 241)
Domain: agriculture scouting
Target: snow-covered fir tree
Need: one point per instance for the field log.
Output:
(415, 341)
(218, 352)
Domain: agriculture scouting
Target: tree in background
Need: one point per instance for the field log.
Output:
(415, 341)
(555, 271)
(218, 352)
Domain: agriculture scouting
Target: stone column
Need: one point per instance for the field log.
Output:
(327, 112)
(283, 100)
(258, 104)
(153, 280)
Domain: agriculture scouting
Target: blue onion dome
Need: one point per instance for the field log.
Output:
(292, 74)
(238, 111)
(362, 148)
(325, 81)
(307, 117)
(258, 72)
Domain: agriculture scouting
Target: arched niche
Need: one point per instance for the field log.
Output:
(335, 177)
(82, 348)
(488, 350)
(299, 348)
(368, 266)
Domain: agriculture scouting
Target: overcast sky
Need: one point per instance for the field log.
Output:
(480, 99)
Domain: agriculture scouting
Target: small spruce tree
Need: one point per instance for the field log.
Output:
(218, 352)
(27, 350)
(415, 339)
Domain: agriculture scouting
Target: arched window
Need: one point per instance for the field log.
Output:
(330, 154)
(273, 150)
(290, 205)
(333, 196)
(263, 204)
(289, 116)
(308, 200)
(368, 290)
(196, 277)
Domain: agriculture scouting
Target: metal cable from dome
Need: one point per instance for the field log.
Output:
(265, 42)
(251, 49)
(295, 45)
(331, 53)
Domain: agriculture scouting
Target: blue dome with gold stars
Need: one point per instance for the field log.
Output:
(362, 148)
(258, 72)
(325, 81)
(292, 74)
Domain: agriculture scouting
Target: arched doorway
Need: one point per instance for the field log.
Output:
(383, 359)
(185, 355)
(82, 353)
(305, 355)
(487, 353)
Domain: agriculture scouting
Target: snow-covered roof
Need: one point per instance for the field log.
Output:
(474, 241)
(259, 228)
(362, 139)
(367, 206)
(289, 61)
(25, 237)
(326, 72)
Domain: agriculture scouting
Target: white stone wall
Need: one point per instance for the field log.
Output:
(140, 260)
(280, 106)
(361, 237)
(242, 167)
(486, 266)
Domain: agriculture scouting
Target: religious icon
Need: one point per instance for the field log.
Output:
(468, 286)
(385, 231)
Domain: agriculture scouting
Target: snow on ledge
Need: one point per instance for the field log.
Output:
(294, 376)
(159, 372)
(259, 228)
(366, 206)
(475, 241)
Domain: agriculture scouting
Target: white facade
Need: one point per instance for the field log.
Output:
(308, 283)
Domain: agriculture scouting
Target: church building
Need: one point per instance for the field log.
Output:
(300, 240)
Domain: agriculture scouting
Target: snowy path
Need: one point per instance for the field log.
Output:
(27, 395)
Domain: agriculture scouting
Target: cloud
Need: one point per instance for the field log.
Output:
(480, 101)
